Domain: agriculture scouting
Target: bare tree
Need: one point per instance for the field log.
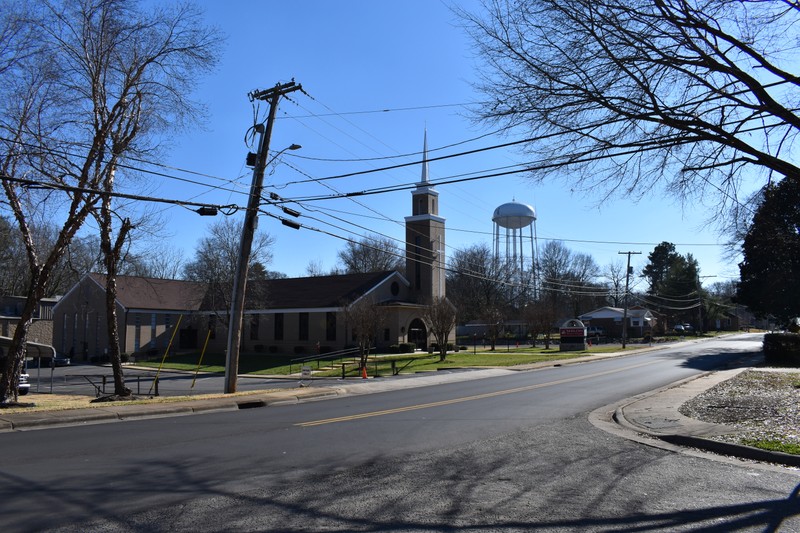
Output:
(161, 262)
(365, 318)
(478, 283)
(540, 317)
(694, 94)
(99, 79)
(215, 264)
(615, 273)
(315, 269)
(569, 279)
(440, 316)
(482, 287)
(372, 253)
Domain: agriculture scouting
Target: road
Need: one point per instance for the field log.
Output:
(512, 453)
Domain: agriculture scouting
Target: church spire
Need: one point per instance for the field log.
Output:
(425, 158)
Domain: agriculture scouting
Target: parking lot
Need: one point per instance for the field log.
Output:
(96, 380)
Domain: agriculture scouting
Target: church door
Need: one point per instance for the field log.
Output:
(418, 334)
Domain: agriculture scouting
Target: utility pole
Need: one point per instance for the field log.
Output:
(273, 96)
(627, 284)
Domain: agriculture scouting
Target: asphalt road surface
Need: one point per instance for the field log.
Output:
(512, 453)
(87, 379)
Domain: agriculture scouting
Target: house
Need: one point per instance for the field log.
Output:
(641, 321)
(289, 315)
(41, 329)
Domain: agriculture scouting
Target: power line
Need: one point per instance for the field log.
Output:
(380, 111)
(224, 209)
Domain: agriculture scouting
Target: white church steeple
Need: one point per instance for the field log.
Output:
(425, 238)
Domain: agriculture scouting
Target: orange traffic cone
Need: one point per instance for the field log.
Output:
(364, 372)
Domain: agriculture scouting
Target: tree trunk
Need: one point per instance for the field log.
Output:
(113, 337)
(13, 360)
(112, 257)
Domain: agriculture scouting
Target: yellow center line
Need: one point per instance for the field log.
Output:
(464, 398)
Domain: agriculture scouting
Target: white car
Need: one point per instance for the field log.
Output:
(24, 382)
(24, 378)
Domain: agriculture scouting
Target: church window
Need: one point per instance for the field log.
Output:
(279, 326)
(302, 334)
(330, 326)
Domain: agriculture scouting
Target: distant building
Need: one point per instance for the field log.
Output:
(641, 321)
(41, 329)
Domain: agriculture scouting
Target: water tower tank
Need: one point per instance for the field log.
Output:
(514, 215)
(517, 219)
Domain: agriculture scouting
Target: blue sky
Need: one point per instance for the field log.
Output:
(377, 75)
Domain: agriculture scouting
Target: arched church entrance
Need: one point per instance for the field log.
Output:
(418, 334)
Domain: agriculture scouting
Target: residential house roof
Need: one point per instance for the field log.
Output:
(609, 312)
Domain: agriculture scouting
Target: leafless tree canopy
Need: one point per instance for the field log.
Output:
(364, 318)
(440, 316)
(216, 257)
(696, 94)
(84, 85)
(373, 253)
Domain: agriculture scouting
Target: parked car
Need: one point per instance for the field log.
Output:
(61, 360)
(24, 381)
(595, 331)
(24, 378)
(688, 328)
(679, 328)
(58, 360)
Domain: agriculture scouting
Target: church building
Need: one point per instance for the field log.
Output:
(295, 315)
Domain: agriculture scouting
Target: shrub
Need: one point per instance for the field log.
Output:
(258, 348)
(125, 357)
(273, 349)
(394, 348)
(299, 349)
(782, 349)
(407, 347)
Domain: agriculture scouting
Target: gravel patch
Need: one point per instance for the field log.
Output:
(761, 404)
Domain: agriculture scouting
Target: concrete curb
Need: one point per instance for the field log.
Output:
(656, 415)
(115, 413)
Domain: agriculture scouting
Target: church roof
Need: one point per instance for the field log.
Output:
(135, 292)
(320, 291)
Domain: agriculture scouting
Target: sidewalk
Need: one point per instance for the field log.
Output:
(656, 414)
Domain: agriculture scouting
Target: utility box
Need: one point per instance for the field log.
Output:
(573, 336)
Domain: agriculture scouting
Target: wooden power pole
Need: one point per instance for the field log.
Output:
(273, 96)
(625, 309)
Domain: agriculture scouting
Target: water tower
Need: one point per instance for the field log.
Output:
(514, 228)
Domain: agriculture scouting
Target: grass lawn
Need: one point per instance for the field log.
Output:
(272, 364)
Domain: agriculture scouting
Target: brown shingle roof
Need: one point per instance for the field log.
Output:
(134, 292)
(285, 293)
(319, 291)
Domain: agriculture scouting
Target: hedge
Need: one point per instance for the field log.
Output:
(782, 349)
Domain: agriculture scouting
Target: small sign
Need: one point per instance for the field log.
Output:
(305, 372)
(573, 332)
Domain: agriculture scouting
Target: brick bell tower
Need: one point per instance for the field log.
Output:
(425, 239)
